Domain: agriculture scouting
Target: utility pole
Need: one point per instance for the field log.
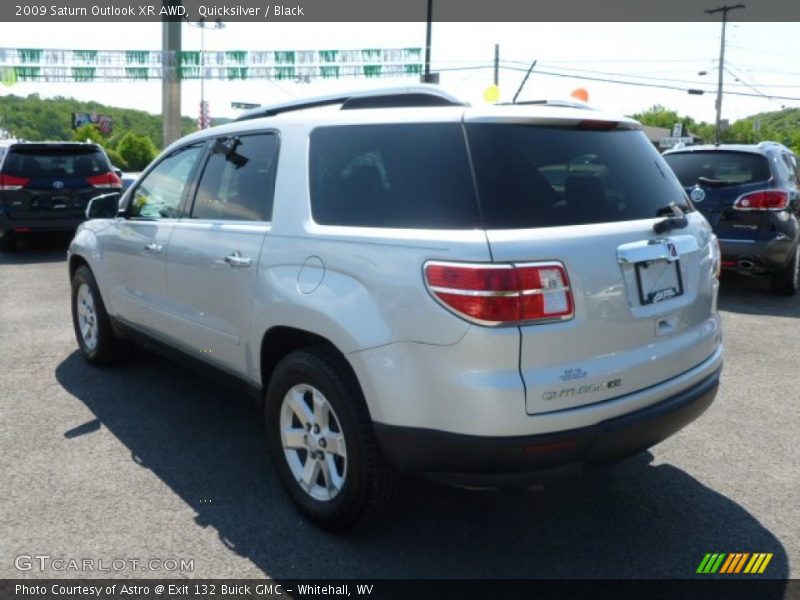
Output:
(426, 78)
(170, 77)
(724, 10)
(497, 64)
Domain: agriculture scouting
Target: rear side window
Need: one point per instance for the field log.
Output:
(534, 176)
(404, 176)
(58, 162)
(238, 180)
(720, 166)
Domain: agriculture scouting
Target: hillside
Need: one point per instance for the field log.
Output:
(780, 126)
(34, 118)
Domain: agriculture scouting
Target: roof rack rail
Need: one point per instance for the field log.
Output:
(409, 96)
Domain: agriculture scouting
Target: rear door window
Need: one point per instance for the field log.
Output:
(398, 175)
(534, 176)
(238, 180)
(720, 166)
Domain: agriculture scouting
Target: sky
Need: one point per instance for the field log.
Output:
(761, 59)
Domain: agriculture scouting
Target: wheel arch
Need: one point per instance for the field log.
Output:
(279, 341)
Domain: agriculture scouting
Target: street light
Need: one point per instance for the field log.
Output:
(205, 121)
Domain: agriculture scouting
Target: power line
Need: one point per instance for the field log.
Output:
(642, 84)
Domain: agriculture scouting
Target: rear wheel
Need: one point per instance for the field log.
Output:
(322, 443)
(787, 281)
(97, 341)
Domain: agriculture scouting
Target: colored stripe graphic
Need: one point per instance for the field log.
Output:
(711, 562)
(758, 563)
(734, 563)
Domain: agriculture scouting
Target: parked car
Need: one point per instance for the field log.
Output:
(750, 195)
(487, 296)
(128, 178)
(45, 187)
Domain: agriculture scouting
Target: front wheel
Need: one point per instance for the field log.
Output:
(321, 441)
(787, 280)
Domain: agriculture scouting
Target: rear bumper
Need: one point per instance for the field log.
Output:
(756, 256)
(12, 226)
(493, 461)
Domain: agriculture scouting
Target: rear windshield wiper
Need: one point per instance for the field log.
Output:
(715, 182)
(676, 220)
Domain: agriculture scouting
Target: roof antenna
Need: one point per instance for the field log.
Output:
(524, 81)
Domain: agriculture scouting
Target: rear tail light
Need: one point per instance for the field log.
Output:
(502, 294)
(105, 181)
(763, 200)
(9, 183)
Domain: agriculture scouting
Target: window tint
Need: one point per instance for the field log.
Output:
(533, 176)
(36, 161)
(719, 165)
(159, 193)
(406, 176)
(238, 179)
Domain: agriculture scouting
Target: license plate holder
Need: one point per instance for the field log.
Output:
(658, 280)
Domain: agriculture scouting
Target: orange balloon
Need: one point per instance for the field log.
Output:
(580, 94)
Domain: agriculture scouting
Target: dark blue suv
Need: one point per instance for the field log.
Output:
(750, 195)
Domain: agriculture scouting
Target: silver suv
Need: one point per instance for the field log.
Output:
(487, 296)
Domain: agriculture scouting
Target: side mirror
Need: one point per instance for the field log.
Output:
(105, 206)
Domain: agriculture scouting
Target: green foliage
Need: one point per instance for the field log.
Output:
(88, 133)
(34, 118)
(116, 159)
(137, 151)
(780, 126)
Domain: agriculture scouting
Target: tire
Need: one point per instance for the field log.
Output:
(8, 243)
(349, 483)
(787, 280)
(96, 338)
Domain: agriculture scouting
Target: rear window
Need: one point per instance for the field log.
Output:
(534, 176)
(404, 176)
(75, 161)
(732, 167)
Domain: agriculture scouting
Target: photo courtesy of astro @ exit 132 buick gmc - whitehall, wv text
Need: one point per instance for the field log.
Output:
(487, 296)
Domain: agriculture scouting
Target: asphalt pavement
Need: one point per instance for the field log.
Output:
(150, 461)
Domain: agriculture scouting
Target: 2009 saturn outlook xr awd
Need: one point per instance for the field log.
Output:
(488, 296)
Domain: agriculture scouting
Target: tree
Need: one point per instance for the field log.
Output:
(116, 159)
(137, 151)
(89, 133)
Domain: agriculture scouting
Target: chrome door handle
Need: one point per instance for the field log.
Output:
(153, 248)
(237, 261)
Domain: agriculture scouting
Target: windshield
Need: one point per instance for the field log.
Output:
(534, 176)
(76, 161)
(730, 167)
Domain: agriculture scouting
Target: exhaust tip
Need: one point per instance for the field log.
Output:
(745, 265)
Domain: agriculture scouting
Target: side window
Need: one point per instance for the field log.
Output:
(159, 193)
(405, 176)
(791, 168)
(238, 180)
